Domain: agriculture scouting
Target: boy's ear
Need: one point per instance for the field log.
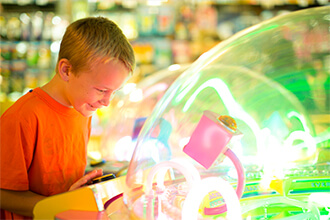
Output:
(64, 67)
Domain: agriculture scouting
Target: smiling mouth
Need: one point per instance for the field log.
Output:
(92, 107)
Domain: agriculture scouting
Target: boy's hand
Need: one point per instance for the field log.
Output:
(87, 178)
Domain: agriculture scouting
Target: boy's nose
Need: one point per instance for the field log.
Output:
(106, 99)
(105, 102)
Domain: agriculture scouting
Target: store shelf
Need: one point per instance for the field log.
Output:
(174, 32)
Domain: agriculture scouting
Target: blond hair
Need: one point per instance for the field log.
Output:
(95, 39)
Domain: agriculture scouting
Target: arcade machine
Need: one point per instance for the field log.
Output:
(243, 143)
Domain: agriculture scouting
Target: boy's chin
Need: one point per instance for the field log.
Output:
(86, 110)
(86, 113)
(89, 114)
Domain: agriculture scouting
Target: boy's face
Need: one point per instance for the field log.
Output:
(94, 89)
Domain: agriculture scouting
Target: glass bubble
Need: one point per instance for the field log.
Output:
(273, 80)
(128, 112)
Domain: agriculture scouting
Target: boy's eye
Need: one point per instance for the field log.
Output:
(101, 90)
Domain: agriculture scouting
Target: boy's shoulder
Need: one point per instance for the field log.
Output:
(38, 105)
(28, 104)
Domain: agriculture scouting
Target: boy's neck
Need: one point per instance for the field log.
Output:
(55, 89)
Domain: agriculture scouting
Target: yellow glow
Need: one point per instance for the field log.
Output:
(95, 155)
(197, 193)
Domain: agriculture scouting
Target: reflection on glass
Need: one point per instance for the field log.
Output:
(272, 79)
(127, 115)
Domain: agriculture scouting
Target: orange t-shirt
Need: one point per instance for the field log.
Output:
(43, 145)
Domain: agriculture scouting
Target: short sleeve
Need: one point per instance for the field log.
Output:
(16, 151)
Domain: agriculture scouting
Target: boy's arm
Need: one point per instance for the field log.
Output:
(23, 202)
(19, 202)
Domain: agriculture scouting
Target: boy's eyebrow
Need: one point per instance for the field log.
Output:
(106, 88)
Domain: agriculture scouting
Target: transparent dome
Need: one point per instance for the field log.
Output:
(272, 80)
(129, 112)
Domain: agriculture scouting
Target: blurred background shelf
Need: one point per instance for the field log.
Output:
(162, 32)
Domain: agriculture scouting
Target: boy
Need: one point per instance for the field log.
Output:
(44, 134)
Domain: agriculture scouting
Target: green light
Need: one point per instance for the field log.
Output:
(235, 110)
(300, 118)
